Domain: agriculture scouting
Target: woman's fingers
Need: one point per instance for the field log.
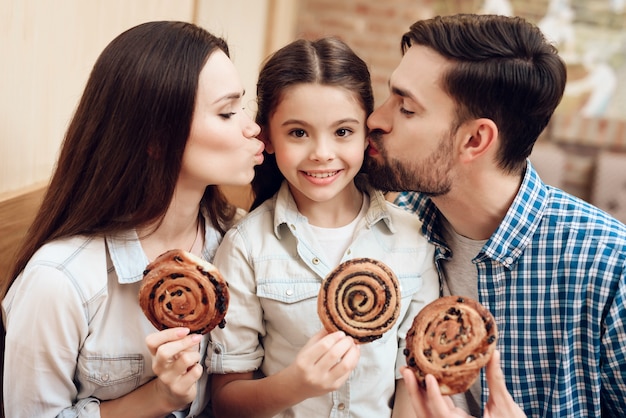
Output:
(157, 339)
(174, 349)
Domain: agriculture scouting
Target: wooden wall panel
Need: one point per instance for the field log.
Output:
(48, 49)
(16, 214)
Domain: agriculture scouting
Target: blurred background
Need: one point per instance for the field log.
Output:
(48, 49)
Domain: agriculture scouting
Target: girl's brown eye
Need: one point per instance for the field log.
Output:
(343, 132)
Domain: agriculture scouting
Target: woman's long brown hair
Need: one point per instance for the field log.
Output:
(122, 152)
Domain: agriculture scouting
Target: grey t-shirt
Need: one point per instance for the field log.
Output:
(461, 278)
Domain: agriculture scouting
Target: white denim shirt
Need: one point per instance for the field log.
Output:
(75, 330)
(275, 267)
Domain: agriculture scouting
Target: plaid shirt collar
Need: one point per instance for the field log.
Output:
(508, 242)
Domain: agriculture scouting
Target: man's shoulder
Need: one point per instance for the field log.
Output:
(581, 214)
(581, 227)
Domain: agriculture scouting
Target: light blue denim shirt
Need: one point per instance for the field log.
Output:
(275, 266)
(75, 330)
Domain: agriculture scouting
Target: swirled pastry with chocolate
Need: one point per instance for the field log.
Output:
(360, 297)
(451, 338)
(182, 290)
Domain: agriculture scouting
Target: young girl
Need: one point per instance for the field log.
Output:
(158, 128)
(273, 358)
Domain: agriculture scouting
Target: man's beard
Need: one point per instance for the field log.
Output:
(430, 176)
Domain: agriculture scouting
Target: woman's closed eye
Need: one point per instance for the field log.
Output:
(227, 115)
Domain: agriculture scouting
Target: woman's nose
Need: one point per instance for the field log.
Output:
(251, 128)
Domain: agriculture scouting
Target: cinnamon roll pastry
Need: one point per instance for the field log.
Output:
(360, 297)
(451, 338)
(182, 290)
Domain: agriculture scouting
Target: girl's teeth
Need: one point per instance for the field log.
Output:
(322, 175)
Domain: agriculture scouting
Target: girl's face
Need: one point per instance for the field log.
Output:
(318, 134)
(222, 148)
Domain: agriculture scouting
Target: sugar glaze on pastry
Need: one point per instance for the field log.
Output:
(360, 297)
(451, 338)
(180, 289)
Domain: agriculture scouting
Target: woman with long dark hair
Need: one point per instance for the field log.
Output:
(158, 129)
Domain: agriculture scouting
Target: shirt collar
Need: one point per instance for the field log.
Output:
(508, 242)
(130, 261)
(286, 210)
(522, 219)
(127, 256)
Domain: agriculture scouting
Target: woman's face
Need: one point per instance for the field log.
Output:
(222, 148)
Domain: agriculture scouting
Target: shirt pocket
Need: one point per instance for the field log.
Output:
(290, 309)
(409, 286)
(110, 377)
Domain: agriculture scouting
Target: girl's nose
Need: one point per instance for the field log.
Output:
(322, 151)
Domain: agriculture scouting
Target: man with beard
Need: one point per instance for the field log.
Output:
(467, 103)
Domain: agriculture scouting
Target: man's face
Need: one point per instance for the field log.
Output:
(412, 138)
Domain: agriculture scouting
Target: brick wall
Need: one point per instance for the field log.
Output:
(373, 29)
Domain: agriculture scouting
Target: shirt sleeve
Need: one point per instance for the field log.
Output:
(45, 326)
(613, 354)
(236, 347)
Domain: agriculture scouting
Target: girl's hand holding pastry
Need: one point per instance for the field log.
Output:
(323, 364)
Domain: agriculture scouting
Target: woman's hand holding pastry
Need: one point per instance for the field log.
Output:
(175, 361)
(323, 364)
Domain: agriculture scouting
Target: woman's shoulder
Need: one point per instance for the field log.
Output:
(64, 251)
(81, 259)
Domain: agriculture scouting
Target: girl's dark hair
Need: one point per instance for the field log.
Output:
(326, 61)
(502, 69)
(122, 152)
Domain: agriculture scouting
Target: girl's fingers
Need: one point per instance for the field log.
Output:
(335, 353)
(319, 345)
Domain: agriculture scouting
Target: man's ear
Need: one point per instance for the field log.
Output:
(263, 136)
(479, 137)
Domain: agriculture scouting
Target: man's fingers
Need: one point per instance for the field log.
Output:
(409, 380)
(416, 394)
(434, 394)
(495, 378)
(500, 402)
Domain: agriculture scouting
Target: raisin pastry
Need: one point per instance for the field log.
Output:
(451, 338)
(182, 290)
(360, 297)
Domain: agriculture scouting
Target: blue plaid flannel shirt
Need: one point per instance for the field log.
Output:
(554, 276)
